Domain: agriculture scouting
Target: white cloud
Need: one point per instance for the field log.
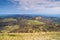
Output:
(47, 6)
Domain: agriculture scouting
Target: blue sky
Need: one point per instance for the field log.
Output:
(29, 6)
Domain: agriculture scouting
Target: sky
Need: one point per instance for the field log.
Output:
(29, 6)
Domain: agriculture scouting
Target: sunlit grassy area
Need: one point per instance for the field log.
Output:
(8, 20)
(30, 36)
(35, 22)
(7, 29)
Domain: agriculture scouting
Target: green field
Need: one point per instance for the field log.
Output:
(30, 36)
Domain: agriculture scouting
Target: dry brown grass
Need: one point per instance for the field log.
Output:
(30, 36)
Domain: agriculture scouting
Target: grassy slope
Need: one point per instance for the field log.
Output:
(30, 36)
(35, 22)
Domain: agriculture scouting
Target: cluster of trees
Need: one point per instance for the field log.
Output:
(20, 25)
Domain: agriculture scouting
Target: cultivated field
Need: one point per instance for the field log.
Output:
(30, 36)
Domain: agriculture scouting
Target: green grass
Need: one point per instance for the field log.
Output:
(8, 20)
(30, 36)
(35, 22)
(7, 29)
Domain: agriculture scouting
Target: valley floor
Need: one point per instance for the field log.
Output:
(30, 36)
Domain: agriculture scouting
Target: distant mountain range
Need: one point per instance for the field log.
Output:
(29, 23)
(29, 16)
(44, 15)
